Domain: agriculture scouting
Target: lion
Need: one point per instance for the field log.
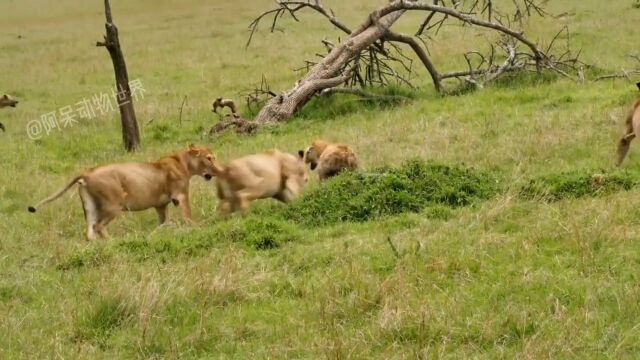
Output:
(7, 101)
(272, 174)
(108, 190)
(632, 127)
(330, 159)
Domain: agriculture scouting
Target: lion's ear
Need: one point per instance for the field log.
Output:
(301, 154)
(193, 150)
(637, 84)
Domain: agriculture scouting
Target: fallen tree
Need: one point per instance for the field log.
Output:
(372, 54)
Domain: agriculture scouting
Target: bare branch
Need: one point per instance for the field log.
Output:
(413, 5)
(425, 23)
(625, 74)
(292, 7)
(257, 97)
(508, 65)
(422, 55)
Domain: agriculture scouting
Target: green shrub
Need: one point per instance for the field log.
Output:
(576, 184)
(413, 187)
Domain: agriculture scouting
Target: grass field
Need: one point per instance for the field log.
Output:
(507, 275)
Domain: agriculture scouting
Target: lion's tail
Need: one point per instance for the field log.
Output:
(76, 180)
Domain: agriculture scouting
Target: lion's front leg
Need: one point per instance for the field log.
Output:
(185, 207)
(180, 198)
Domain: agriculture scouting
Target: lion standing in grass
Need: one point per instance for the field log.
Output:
(330, 159)
(272, 174)
(108, 190)
(632, 126)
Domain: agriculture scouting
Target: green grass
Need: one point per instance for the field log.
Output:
(496, 243)
(101, 320)
(578, 184)
(413, 187)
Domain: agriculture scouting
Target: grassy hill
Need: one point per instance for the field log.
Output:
(538, 262)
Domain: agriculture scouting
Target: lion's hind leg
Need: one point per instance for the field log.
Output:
(105, 216)
(623, 147)
(91, 211)
(243, 198)
(111, 202)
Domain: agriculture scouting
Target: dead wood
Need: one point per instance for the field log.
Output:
(130, 130)
(371, 55)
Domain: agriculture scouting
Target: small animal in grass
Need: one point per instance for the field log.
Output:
(222, 103)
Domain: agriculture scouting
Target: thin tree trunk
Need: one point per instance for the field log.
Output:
(130, 130)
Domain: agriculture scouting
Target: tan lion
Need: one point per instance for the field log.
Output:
(7, 101)
(330, 159)
(272, 174)
(632, 128)
(108, 190)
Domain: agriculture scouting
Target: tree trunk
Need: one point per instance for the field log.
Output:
(330, 72)
(130, 130)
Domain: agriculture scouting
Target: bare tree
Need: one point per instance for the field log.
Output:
(130, 130)
(368, 53)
